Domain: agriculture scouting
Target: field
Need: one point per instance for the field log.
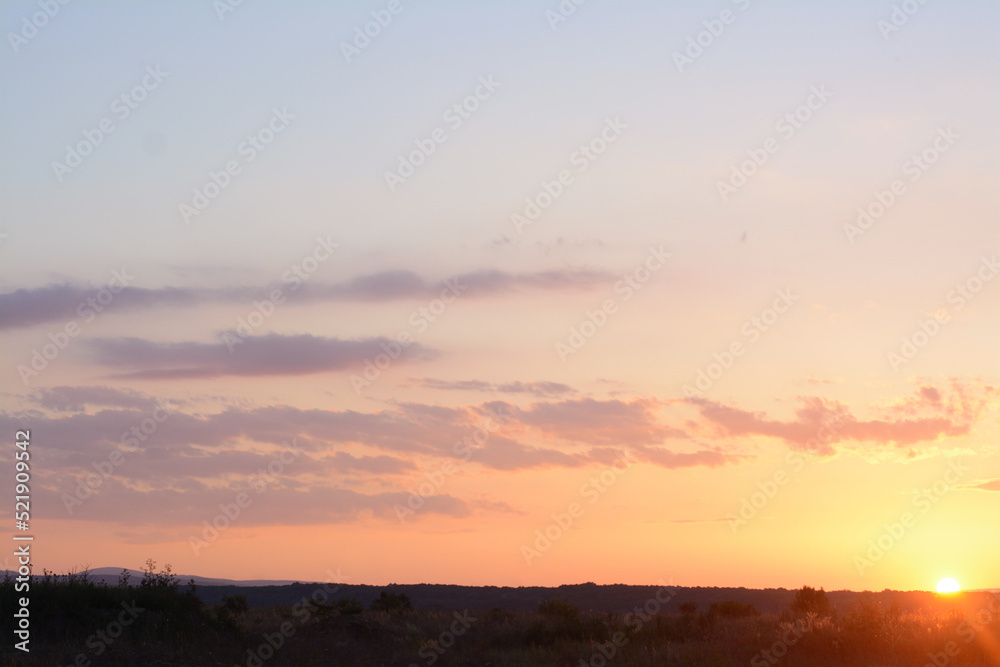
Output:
(157, 622)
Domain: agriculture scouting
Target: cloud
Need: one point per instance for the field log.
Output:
(931, 395)
(988, 485)
(710, 458)
(499, 282)
(75, 399)
(958, 400)
(195, 449)
(263, 355)
(608, 422)
(68, 301)
(191, 462)
(721, 520)
(820, 423)
(538, 389)
(507, 454)
(380, 465)
(278, 504)
(28, 307)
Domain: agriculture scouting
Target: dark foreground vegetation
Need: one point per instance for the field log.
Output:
(152, 620)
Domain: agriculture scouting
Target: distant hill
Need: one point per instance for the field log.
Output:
(110, 575)
(613, 598)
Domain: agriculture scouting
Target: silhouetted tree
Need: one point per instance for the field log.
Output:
(688, 607)
(349, 606)
(390, 601)
(732, 609)
(810, 600)
(559, 609)
(236, 604)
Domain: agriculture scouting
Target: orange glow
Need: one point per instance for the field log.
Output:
(948, 585)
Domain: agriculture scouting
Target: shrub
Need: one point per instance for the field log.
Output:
(350, 606)
(732, 609)
(566, 611)
(391, 602)
(235, 604)
(809, 600)
(152, 579)
(562, 620)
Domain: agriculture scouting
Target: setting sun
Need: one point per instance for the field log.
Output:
(948, 585)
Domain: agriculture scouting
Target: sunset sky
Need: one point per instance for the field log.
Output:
(701, 292)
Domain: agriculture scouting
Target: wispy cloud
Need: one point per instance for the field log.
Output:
(32, 306)
(539, 389)
(832, 422)
(263, 355)
(987, 485)
(76, 399)
(597, 422)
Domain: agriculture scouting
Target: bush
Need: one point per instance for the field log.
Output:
(350, 606)
(235, 604)
(152, 579)
(67, 611)
(562, 620)
(810, 600)
(732, 609)
(391, 602)
(566, 611)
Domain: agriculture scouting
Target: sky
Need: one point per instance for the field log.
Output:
(505, 293)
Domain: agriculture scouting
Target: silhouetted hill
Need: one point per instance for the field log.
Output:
(609, 598)
(110, 575)
(618, 598)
